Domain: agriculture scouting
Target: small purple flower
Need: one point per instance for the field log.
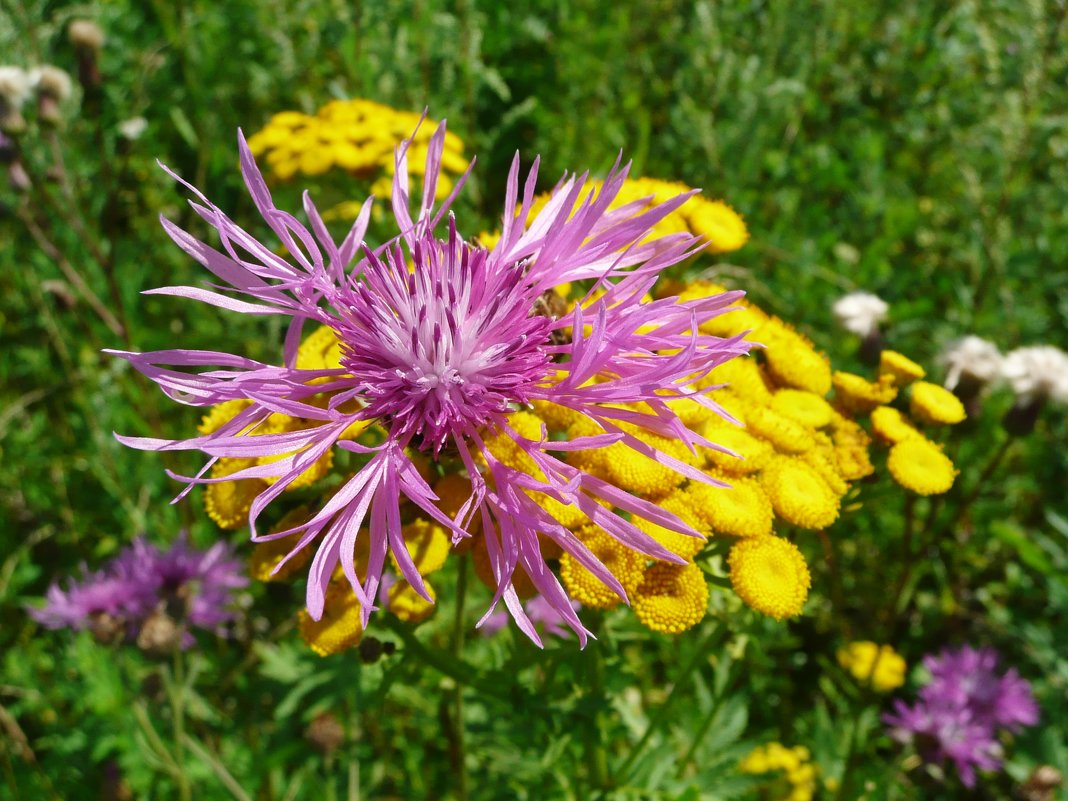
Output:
(540, 612)
(194, 587)
(441, 356)
(945, 731)
(961, 709)
(967, 677)
(116, 592)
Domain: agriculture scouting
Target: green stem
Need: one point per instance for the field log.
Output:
(458, 688)
(178, 716)
(595, 750)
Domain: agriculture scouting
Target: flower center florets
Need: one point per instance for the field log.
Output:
(444, 344)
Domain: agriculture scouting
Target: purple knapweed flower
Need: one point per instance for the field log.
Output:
(197, 585)
(194, 587)
(540, 612)
(114, 595)
(440, 356)
(941, 731)
(961, 709)
(968, 677)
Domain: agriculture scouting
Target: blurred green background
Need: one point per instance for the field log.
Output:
(917, 151)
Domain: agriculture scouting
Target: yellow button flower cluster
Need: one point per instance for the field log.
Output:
(879, 666)
(796, 772)
(358, 136)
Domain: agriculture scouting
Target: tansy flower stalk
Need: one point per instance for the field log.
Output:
(443, 356)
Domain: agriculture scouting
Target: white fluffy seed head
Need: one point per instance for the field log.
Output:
(84, 33)
(972, 357)
(15, 86)
(860, 312)
(1037, 373)
(51, 82)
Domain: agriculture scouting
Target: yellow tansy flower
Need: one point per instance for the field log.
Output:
(934, 405)
(681, 504)
(799, 495)
(742, 510)
(743, 377)
(899, 367)
(919, 465)
(339, 628)
(719, 223)
(786, 435)
(806, 408)
(671, 598)
(266, 556)
(428, 543)
(858, 395)
(625, 564)
(792, 360)
(892, 426)
(770, 575)
(228, 502)
(752, 453)
(408, 605)
(879, 665)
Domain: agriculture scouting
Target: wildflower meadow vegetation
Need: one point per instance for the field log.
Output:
(574, 400)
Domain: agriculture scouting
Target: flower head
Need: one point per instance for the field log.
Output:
(860, 312)
(969, 677)
(445, 357)
(194, 587)
(961, 708)
(878, 665)
(770, 575)
(1037, 373)
(973, 360)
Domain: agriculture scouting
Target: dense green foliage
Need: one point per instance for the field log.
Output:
(918, 153)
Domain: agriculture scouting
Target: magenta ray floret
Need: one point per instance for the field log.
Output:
(440, 355)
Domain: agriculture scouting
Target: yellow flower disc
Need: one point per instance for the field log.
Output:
(806, 408)
(221, 414)
(508, 452)
(626, 565)
(683, 505)
(891, 426)
(919, 465)
(743, 377)
(428, 544)
(754, 453)
(635, 472)
(823, 462)
(792, 360)
(721, 225)
(556, 417)
(408, 605)
(266, 556)
(742, 510)
(320, 350)
(786, 435)
(228, 502)
(935, 405)
(858, 395)
(879, 665)
(798, 494)
(770, 575)
(671, 598)
(339, 628)
(851, 444)
(899, 367)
